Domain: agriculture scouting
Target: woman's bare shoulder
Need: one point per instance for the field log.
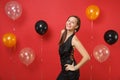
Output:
(75, 38)
(62, 31)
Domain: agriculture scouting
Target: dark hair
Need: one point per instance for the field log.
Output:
(65, 32)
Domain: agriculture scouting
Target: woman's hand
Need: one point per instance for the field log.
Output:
(70, 67)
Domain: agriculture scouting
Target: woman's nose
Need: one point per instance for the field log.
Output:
(69, 22)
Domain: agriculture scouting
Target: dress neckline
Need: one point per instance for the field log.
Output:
(68, 38)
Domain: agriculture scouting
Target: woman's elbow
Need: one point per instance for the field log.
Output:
(89, 58)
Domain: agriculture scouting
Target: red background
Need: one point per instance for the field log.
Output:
(46, 65)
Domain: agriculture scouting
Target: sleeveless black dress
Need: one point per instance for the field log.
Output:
(66, 57)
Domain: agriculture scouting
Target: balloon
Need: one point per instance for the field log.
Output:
(13, 9)
(27, 56)
(92, 12)
(101, 53)
(41, 27)
(9, 39)
(111, 37)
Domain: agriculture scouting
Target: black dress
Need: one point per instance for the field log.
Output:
(66, 57)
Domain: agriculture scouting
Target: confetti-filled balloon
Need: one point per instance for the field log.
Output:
(101, 53)
(13, 9)
(27, 56)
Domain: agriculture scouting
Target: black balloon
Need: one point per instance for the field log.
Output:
(41, 27)
(110, 36)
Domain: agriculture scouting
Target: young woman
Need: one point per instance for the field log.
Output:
(67, 44)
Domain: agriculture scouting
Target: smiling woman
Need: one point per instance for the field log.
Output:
(69, 41)
(46, 64)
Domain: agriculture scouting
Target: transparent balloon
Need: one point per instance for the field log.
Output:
(27, 56)
(13, 9)
(101, 53)
(9, 39)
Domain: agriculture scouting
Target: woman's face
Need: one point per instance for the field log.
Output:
(71, 24)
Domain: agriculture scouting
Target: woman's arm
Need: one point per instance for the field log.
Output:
(85, 56)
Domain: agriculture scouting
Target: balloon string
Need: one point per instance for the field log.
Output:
(92, 24)
(109, 68)
(12, 54)
(13, 71)
(91, 66)
(13, 27)
(109, 72)
(41, 52)
(92, 29)
(13, 31)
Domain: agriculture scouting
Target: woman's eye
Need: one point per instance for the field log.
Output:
(68, 20)
(72, 22)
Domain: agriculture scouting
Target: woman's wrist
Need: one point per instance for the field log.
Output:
(75, 67)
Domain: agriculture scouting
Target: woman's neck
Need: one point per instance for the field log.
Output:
(69, 32)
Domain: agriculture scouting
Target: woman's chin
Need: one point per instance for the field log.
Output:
(69, 30)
